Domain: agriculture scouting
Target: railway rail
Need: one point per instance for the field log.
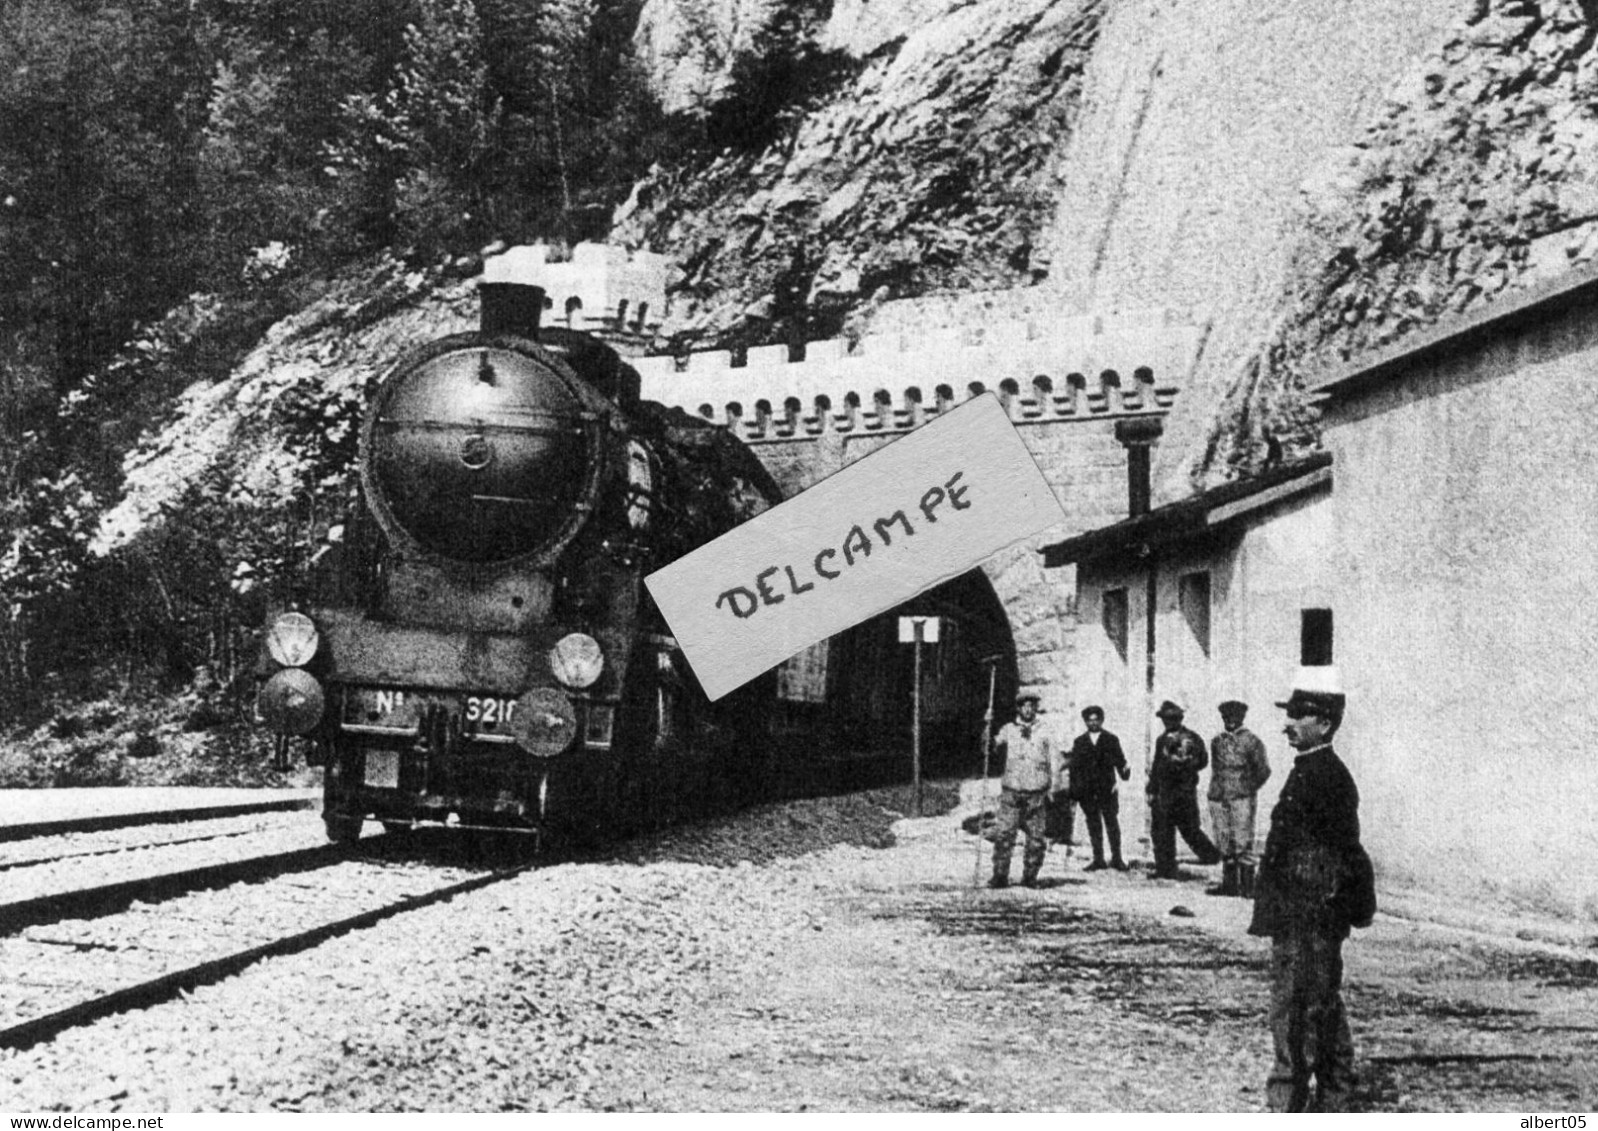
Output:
(60, 972)
(131, 840)
(121, 919)
(86, 875)
(103, 822)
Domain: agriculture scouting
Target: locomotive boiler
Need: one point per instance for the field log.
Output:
(480, 649)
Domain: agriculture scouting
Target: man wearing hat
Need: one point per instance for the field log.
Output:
(1315, 882)
(1179, 755)
(1033, 769)
(1238, 767)
(1096, 761)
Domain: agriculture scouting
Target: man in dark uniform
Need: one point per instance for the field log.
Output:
(1315, 882)
(1033, 768)
(1096, 760)
(1179, 755)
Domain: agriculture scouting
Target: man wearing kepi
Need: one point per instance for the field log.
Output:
(1315, 882)
(1033, 769)
(1238, 767)
(1179, 755)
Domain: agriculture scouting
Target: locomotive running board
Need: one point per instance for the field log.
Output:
(376, 731)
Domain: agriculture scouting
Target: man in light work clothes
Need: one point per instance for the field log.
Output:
(1238, 767)
(1033, 768)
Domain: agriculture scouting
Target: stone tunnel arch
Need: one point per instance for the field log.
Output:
(1029, 613)
(861, 681)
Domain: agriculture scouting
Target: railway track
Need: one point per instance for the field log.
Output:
(56, 848)
(85, 950)
(84, 872)
(36, 830)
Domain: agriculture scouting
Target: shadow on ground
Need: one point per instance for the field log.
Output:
(1455, 1047)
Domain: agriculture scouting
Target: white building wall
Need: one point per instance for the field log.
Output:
(1259, 584)
(1103, 677)
(1458, 552)
(1467, 507)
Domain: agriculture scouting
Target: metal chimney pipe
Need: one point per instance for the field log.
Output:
(510, 308)
(1138, 488)
(1138, 436)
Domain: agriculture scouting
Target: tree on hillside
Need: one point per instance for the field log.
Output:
(275, 103)
(417, 147)
(774, 77)
(177, 175)
(94, 104)
(501, 118)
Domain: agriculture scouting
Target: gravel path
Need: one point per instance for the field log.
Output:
(777, 962)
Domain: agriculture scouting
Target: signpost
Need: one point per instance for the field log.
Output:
(917, 631)
(992, 664)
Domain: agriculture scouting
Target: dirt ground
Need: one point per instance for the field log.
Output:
(917, 990)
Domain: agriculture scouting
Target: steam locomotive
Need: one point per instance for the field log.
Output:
(480, 649)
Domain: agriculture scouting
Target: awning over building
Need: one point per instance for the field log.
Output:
(1201, 516)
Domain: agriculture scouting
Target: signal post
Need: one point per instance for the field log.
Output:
(917, 631)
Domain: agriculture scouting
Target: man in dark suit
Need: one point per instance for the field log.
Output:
(1096, 761)
(1315, 882)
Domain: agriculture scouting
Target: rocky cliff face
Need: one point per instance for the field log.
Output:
(1312, 181)
(1106, 156)
(688, 48)
(929, 169)
(1478, 175)
(1181, 185)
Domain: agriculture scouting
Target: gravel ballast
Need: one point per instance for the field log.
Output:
(776, 961)
(54, 865)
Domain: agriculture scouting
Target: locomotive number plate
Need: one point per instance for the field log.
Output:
(489, 711)
(398, 711)
(383, 707)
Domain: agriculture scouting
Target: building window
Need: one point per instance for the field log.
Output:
(1315, 637)
(1115, 616)
(1193, 595)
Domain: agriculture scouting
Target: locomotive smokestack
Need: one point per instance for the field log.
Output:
(510, 308)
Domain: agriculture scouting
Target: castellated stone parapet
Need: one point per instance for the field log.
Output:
(601, 289)
(1065, 382)
(1085, 368)
(1044, 370)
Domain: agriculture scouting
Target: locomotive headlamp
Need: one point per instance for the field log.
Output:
(292, 640)
(577, 660)
(543, 722)
(291, 702)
